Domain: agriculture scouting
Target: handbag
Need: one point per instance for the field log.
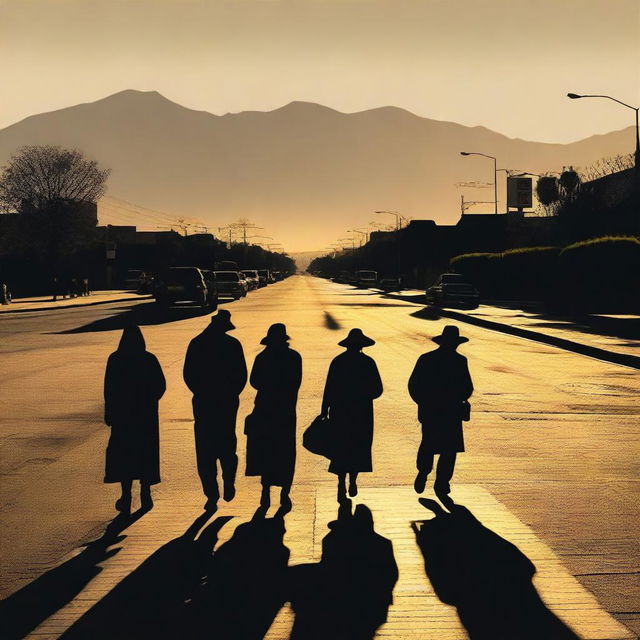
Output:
(317, 437)
(465, 411)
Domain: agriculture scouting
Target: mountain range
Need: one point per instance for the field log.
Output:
(304, 172)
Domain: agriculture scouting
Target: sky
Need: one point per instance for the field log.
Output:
(503, 64)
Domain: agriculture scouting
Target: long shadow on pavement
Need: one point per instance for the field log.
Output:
(140, 315)
(24, 610)
(487, 578)
(186, 590)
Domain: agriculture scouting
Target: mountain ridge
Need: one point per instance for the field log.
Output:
(304, 171)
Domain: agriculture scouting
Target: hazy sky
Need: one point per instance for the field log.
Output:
(504, 64)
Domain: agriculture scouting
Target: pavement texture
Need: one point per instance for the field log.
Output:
(551, 462)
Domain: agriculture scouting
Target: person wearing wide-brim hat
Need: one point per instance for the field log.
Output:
(440, 385)
(353, 382)
(215, 371)
(271, 427)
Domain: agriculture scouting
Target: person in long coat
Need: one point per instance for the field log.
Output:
(440, 384)
(133, 385)
(353, 382)
(271, 428)
(215, 371)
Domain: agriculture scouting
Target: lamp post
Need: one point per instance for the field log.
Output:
(575, 96)
(361, 232)
(393, 213)
(495, 174)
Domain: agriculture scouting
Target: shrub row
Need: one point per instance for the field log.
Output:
(601, 274)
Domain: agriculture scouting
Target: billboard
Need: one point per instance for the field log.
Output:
(519, 193)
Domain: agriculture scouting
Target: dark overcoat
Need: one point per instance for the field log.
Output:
(271, 428)
(215, 372)
(353, 382)
(133, 385)
(439, 384)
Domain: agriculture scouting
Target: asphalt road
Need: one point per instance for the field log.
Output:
(554, 436)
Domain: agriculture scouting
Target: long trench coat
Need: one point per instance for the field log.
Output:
(133, 385)
(271, 428)
(353, 382)
(439, 384)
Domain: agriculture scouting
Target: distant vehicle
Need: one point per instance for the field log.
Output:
(251, 276)
(342, 277)
(352, 279)
(278, 275)
(182, 284)
(134, 279)
(244, 283)
(264, 277)
(366, 278)
(390, 283)
(212, 288)
(452, 289)
(230, 284)
(227, 265)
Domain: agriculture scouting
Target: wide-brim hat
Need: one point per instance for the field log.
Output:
(222, 320)
(276, 334)
(356, 339)
(450, 335)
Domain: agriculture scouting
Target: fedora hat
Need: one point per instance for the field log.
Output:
(356, 339)
(450, 335)
(276, 334)
(222, 320)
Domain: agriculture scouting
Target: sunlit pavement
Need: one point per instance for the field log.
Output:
(551, 462)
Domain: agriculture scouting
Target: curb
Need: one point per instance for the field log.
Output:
(73, 306)
(562, 343)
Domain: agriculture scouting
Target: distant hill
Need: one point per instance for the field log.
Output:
(304, 172)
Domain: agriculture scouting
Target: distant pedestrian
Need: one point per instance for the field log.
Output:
(133, 385)
(353, 382)
(5, 294)
(440, 385)
(271, 427)
(215, 371)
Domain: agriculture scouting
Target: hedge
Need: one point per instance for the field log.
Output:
(600, 274)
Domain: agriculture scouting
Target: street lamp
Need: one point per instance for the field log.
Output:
(393, 213)
(495, 174)
(575, 96)
(360, 231)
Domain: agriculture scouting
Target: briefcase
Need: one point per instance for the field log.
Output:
(317, 437)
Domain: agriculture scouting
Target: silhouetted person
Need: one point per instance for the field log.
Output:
(439, 384)
(215, 371)
(133, 385)
(271, 429)
(487, 578)
(348, 594)
(353, 382)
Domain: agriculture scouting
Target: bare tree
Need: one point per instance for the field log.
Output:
(37, 176)
(607, 166)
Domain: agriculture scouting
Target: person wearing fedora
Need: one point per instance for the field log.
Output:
(440, 385)
(271, 427)
(216, 373)
(353, 382)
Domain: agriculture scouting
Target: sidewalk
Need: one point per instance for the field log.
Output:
(613, 338)
(45, 303)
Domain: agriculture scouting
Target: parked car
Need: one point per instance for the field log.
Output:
(263, 277)
(180, 285)
(366, 278)
(390, 283)
(342, 277)
(230, 284)
(251, 276)
(212, 288)
(244, 283)
(451, 289)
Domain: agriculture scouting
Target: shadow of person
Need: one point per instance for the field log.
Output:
(153, 601)
(25, 609)
(346, 596)
(487, 578)
(245, 583)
